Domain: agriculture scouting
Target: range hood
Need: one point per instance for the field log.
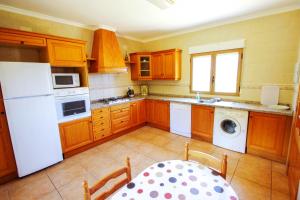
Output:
(107, 52)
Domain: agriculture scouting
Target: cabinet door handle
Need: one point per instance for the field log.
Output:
(102, 123)
(2, 113)
(22, 42)
(102, 129)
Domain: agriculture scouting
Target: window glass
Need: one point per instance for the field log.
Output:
(226, 73)
(201, 73)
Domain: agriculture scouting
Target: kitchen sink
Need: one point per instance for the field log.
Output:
(213, 100)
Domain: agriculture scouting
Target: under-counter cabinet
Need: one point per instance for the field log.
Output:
(268, 135)
(120, 117)
(158, 113)
(66, 54)
(202, 122)
(101, 123)
(166, 64)
(76, 133)
(138, 112)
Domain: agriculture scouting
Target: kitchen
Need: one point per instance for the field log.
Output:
(169, 107)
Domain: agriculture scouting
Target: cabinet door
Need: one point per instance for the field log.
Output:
(19, 39)
(150, 110)
(76, 134)
(202, 122)
(144, 63)
(157, 66)
(134, 117)
(7, 160)
(162, 113)
(268, 135)
(142, 112)
(66, 54)
(169, 65)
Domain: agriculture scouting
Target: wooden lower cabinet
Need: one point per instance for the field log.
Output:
(202, 122)
(138, 112)
(101, 123)
(158, 113)
(268, 135)
(120, 118)
(7, 159)
(75, 134)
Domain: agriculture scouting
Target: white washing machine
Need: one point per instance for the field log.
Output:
(230, 129)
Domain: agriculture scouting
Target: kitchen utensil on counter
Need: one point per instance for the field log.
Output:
(144, 90)
(130, 92)
(269, 95)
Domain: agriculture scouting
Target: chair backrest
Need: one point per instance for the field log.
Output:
(88, 192)
(217, 165)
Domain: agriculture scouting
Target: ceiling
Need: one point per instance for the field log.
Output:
(143, 21)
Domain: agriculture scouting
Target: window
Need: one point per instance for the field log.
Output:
(216, 72)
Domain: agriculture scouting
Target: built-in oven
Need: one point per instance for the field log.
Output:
(72, 103)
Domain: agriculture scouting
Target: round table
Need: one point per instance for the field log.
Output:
(176, 179)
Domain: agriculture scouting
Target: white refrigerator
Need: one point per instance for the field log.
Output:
(30, 108)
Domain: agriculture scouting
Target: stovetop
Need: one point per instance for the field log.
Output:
(113, 100)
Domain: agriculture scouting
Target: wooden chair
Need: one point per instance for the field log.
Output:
(90, 191)
(213, 162)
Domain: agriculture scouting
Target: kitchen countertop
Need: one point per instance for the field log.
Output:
(221, 104)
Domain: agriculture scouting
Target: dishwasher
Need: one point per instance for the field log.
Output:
(180, 119)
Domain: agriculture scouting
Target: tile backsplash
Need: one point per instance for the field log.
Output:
(111, 85)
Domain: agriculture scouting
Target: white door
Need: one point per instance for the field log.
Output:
(19, 79)
(34, 132)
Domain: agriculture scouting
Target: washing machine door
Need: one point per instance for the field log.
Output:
(230, 127)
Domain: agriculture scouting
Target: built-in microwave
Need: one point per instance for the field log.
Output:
(72, 103)
(65, 80)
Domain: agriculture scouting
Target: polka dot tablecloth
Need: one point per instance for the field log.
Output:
(176, 179)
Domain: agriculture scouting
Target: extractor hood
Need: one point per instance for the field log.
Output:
(107, 52)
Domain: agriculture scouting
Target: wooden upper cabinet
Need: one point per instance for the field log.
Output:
(162, 65)
(107, 52)
(66, 54)
(16, 38)
(75, 134)
(268, 135)
(202, 122)
(141, 69)
(157, 63)
(7, 160)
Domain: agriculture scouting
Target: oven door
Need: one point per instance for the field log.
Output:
(72, 107)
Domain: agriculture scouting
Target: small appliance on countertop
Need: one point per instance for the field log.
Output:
(130, 92)
(144, 90)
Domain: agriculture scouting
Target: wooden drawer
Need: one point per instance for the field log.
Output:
(103, 122)
(101, 133)
(120, 107)
(120, 124)
(100, 112)
(120, 113)
(11, 38)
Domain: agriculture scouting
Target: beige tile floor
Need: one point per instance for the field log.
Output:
(250, 176)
